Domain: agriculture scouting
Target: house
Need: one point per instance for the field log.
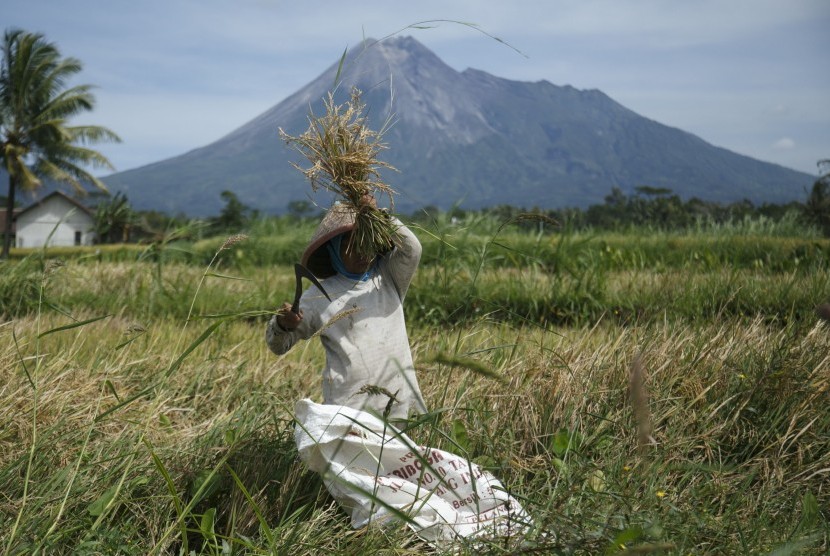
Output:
(65, 219)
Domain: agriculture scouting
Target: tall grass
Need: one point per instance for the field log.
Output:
(124, 431)
(455, 293)
(510, 276)
(741, 453)
(781, 245)
(791, 224)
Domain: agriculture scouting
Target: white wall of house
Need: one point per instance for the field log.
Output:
(71, 225)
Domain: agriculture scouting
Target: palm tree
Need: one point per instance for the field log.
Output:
(113, 220)
(35, 105)
(817, 207)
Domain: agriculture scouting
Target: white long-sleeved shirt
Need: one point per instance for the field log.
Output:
(363, 333)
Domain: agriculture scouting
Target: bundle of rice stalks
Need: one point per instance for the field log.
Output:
(343, 153)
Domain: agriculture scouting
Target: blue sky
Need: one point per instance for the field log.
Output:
(747, 75)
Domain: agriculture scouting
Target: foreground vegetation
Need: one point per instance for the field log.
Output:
(141, 411)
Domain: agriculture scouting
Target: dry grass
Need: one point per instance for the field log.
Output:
(231, 402)
(119, 436)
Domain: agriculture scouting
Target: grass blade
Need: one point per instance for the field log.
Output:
(73, 325)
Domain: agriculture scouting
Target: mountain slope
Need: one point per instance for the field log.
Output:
(466, 137)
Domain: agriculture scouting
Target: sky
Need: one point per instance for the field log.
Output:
(751, 76)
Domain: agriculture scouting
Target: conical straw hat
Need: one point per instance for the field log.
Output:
(338, 220)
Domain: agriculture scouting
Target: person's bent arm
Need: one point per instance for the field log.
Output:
(404, 258)
(286, 328)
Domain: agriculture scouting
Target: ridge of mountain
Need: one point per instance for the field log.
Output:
(468, 138)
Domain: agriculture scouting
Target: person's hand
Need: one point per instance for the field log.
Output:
(368, 200)
(287, 319)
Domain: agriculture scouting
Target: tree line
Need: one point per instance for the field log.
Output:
(660, 208)
(646, 207)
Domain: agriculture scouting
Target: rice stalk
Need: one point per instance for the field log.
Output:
(639, 402)
(343, 152)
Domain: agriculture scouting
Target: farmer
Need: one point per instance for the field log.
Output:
(368, 360)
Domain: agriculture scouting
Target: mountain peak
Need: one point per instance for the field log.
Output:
(402, 79)
(396, 59)
(405, 45)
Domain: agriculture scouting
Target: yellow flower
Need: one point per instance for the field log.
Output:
(660, 494)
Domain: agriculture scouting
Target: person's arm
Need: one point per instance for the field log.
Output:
(286, 328)
(403, 259)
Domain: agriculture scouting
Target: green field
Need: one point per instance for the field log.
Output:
(141, 411)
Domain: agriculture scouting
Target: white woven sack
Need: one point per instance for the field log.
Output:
(370, 467)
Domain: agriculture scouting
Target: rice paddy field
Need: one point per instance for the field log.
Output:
(640, 393)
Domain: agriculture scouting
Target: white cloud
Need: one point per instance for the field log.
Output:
(784, 144)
